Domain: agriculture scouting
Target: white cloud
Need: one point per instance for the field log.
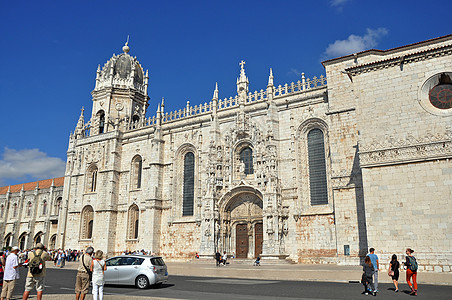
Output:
(355, 43)
(294, 71)
(29, 163)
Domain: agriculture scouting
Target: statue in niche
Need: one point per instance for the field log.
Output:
(242, 168)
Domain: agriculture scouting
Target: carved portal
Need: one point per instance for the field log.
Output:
(241, 225)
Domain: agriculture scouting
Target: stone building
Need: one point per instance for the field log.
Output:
(30, 213)
(313, 171)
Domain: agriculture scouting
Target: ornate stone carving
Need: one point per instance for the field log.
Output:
(392, 151)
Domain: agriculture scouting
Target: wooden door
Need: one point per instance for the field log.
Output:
(241, 240)
(258, 239)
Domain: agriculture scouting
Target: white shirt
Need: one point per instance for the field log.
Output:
(10, 272)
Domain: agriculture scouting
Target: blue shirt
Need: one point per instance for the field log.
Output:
(373, 259)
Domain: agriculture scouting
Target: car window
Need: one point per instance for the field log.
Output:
(131, 261)
(157, 261)
(113, 262)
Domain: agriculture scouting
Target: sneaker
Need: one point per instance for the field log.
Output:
(366, 293)
(415, 292)
(396, 290)
(412, 292)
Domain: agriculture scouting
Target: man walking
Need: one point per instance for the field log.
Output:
(36, 271)
(83, 274)
(374, 259)
(11, 274)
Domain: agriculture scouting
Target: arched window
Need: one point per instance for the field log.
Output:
(8, 240)
(317, 167)
(15, 210)
(38, 238)
(133, 221)
(101, 117)
(91, 179)
(29, 206)
(135, 119)
(189, 184)
(52, 242)
(44, 208)
(22, 240)
(86, 230)
(2, 210)
(246, 157)
(58, 206)
(137, 167)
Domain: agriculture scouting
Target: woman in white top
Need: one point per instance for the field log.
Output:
(98, 267)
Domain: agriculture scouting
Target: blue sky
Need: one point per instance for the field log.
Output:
(51, 49)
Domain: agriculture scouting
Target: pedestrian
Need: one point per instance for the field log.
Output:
(98, 267)
(36, 271)
(2, 264)
(393, 271)
(224, 258)
(368, 272)
(11, 274)
(218, 258)
(411, 270)
(83, 277)
(63, 259)
(374, 259)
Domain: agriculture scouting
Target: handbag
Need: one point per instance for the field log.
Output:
(391, 273)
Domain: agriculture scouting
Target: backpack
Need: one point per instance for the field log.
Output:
(36, 264)
(413, 263)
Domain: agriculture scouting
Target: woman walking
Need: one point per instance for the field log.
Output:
(393, 271)
(411, 270)
(98, 267)
(367, 278)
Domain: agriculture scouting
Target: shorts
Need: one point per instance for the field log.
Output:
(37, 282)
(82, 283)
(8, 288)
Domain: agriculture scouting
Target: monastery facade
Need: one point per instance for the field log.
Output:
(315, 171)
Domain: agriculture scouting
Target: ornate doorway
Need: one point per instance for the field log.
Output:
(241, 223)
(242, 241)
(258, 238)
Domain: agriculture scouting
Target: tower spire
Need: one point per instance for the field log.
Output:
(242, 81)
(126, 48)
(215, 92)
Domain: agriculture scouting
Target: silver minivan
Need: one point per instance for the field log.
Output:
(139, 270)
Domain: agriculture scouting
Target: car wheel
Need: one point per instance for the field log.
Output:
(142, 282)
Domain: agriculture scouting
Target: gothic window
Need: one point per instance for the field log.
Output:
(189, 184)
(317, 167)
(44, 208)
(8, 240)
(29, 206)
(246, 157)
(86, 230)
(133, 221)
(57, 206)
(137, 169)
(101, 118)
(91, 179)
(52, 242)
(22, 241)
(38, 238)
(15, 210)
(135, 119)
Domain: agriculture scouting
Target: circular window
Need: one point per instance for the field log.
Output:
(441, 96)
(435, 94)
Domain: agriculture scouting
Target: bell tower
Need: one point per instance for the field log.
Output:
(120, 92)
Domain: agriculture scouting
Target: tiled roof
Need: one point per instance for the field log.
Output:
(29, 186)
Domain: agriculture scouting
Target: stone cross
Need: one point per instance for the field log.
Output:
(242, 63)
